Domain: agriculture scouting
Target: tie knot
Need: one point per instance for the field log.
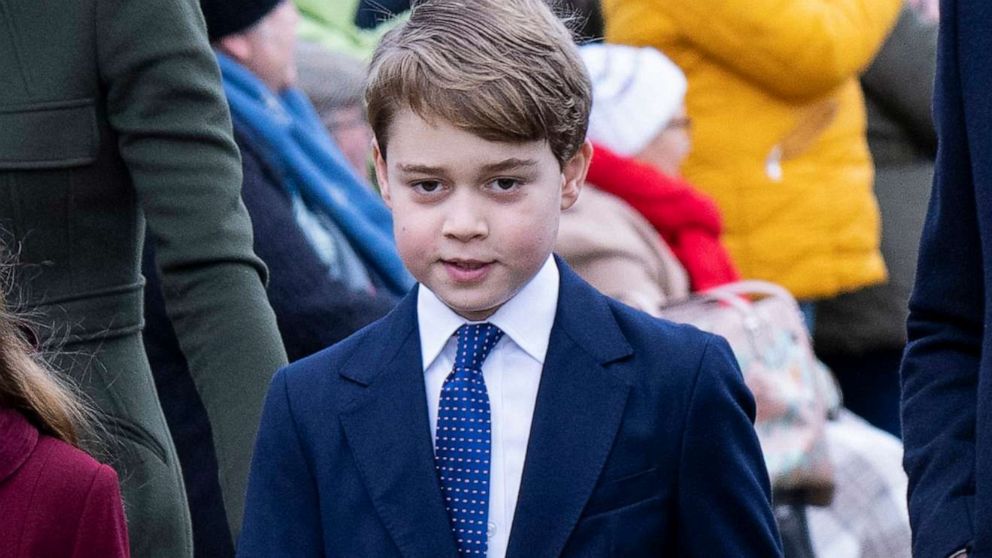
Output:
(475, 341)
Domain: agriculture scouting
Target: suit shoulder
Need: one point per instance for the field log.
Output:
(361, 346)
(646, 331)
(334, 356)
(675, 355)
(675, 363)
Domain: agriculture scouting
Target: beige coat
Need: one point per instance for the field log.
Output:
(616, 250)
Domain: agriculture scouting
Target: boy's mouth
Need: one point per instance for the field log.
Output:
(466, 271)
(466, 264)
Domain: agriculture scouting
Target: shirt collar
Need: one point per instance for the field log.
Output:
(526, 318)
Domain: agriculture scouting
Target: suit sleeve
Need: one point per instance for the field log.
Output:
(794, 48)
(724, 503)
(945, 327)
(282, 515)
(166, 106)
(102, 531)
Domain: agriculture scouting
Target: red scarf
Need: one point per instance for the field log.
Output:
(687, 220)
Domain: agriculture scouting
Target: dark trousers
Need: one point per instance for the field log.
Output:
(870, 384)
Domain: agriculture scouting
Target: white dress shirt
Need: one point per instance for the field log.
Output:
(512, 373)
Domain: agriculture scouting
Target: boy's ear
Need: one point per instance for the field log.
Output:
(574, 174)
(381, 176)
(237, 46)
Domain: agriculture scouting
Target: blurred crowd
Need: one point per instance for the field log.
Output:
(788, 142)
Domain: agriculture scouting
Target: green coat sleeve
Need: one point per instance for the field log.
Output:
(167, 106)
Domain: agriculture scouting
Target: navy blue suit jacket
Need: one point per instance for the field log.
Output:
(641, 445)
(947, 369)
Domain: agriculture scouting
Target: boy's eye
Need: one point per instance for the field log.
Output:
(505, 184)
(427, 186)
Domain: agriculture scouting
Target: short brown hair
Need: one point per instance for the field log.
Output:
(504, 70)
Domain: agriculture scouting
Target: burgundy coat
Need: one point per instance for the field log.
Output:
(55, 500)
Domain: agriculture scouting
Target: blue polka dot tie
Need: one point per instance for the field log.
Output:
(464, 439)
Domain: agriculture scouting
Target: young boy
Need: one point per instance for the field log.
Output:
(504, 408)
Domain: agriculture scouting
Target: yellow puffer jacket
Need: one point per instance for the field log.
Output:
(778, 127)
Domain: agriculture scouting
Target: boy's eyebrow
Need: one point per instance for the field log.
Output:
(420, 169)
(504, 165)
(509, 164)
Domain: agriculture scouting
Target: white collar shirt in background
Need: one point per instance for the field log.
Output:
(512, 373)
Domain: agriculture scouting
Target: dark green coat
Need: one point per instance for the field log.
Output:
(111, 113)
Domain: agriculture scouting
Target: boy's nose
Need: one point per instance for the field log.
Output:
(464, 222)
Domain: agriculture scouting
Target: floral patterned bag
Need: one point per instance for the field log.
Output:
(793, 390)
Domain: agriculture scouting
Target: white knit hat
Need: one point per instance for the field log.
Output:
(635, 93)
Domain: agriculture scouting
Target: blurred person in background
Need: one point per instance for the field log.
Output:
(334, 83)
(113, 118)
(324, 235)
(335, 23)
(861, 335)
(346, 227)
(640, 234)
(640, 127)
(778, 129)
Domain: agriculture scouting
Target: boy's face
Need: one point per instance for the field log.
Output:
(474, 219)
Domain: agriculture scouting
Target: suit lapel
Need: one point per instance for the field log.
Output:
(388, 430)
(579, 408)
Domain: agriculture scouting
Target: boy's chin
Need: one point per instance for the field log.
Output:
(475, 309)
(474, 313)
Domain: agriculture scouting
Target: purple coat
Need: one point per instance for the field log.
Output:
(55, 500)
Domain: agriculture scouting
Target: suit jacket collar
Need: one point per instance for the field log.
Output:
(388, 431)
(526, 319)
(579, 407)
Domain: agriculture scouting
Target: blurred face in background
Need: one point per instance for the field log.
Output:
(352, 134)
(671, 146)
(268, 48)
